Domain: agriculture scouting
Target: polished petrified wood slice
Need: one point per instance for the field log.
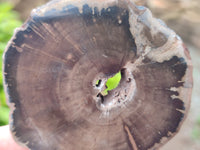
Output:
(57, 65)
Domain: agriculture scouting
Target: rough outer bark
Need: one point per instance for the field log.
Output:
(52, 64)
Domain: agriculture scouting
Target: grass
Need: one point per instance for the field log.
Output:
(9, 20)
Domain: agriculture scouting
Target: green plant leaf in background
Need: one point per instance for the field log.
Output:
(196, 130)
(196, 133)
(9, 20)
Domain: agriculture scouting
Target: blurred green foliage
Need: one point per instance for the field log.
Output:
(196, 130)
(9, 20)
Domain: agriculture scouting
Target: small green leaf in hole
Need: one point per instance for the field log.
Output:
(112, 83)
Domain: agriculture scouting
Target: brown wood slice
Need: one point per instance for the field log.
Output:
(54, 60)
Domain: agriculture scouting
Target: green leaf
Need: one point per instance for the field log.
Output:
(112, 83)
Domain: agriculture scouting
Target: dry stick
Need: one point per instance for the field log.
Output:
(131, 138)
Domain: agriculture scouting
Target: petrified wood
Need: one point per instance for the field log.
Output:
(53, 62)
